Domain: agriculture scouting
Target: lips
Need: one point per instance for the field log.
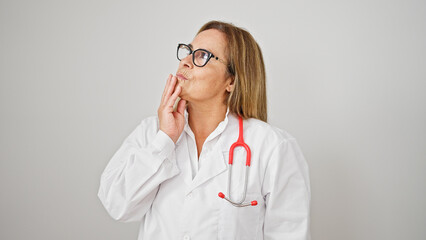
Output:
(181, 77)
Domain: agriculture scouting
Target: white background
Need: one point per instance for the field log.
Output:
(346, 78)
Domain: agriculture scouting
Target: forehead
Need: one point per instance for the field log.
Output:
(212, 40)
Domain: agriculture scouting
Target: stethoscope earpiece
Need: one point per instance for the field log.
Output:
(252, 203)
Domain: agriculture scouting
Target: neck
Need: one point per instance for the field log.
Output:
(204, 118)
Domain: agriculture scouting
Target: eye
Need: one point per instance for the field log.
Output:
(202, 55)
(183, 52)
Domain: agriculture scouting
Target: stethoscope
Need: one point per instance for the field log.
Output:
(239, 143)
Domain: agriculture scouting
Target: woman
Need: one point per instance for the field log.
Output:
(170, 170)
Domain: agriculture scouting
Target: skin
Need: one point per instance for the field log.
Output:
(204, 89)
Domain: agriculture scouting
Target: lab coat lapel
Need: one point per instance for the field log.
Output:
(214, 166)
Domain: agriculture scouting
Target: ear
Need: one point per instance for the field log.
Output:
(231, 84)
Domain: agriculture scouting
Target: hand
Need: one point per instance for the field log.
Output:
(171, 123)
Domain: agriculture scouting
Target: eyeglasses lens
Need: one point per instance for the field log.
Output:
(200, 57)
(183, 52)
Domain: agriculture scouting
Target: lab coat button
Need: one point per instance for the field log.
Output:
(190, 195)
(186, 237)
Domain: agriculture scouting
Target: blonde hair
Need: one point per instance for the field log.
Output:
(248, 99)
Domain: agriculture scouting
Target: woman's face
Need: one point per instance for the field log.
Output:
(210, 83)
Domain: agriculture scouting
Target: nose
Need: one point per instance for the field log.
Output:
(187, 62)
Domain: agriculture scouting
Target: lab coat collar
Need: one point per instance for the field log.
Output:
(214, 166)
(219, 129)
(216, 161)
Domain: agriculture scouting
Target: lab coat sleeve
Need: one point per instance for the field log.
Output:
(132, 177)
(288, 196)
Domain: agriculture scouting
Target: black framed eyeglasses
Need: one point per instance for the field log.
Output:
(200, 57)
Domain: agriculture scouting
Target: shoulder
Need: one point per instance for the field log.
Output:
(266, 132)
(275, 144)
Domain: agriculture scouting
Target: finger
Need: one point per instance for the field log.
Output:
(166, 87)
(181, 106)
(170, 90)
(171, 101)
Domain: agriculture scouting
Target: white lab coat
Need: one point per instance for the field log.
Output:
(150, 179)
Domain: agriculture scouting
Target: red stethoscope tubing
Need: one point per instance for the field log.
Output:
(239, 143)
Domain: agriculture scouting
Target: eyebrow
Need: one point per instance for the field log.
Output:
(192, 47)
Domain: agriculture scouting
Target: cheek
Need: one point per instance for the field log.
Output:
(210, 79)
